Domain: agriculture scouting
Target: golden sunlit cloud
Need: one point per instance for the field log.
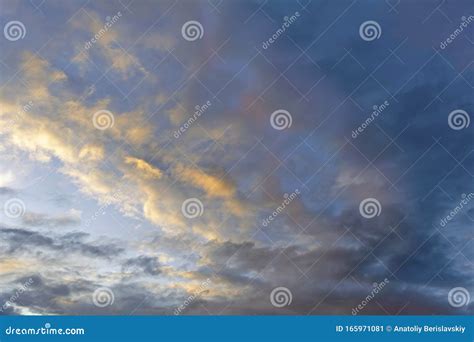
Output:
(146, 169)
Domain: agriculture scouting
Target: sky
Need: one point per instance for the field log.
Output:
(236, 157)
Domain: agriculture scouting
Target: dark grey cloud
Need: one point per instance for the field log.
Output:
(7, 191)
(48, 295)
(337, 278)
(148, 265)
(23, 240)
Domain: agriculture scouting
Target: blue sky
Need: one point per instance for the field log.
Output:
(100, 196)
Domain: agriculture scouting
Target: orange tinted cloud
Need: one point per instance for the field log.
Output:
(212, 185)
(148, 170)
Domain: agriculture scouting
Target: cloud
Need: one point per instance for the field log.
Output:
(6, 178)
(31, 219)
(18, 239)
(145, 168)
(104, 37)
(212, 185)
(136, 174)
(7, 191)
(146, 264)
